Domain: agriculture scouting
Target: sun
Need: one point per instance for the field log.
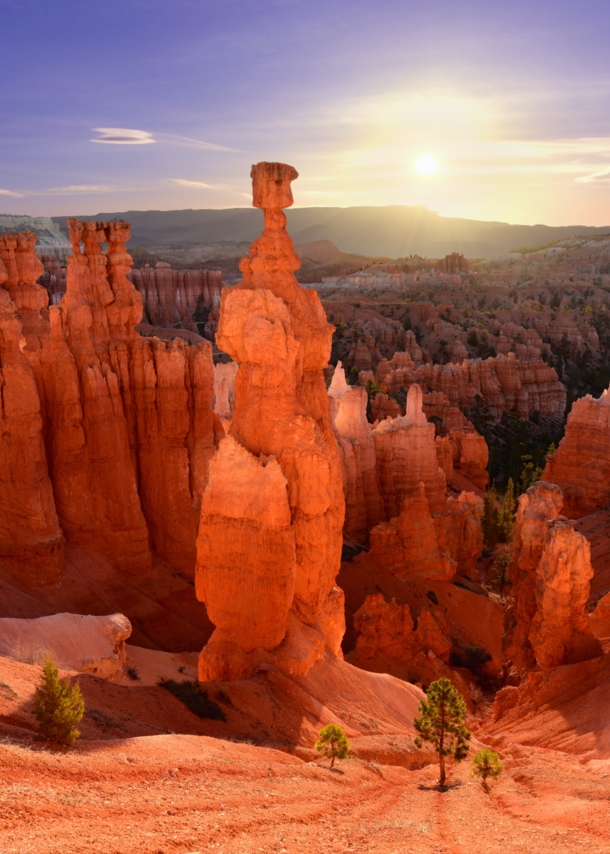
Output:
(426, 165)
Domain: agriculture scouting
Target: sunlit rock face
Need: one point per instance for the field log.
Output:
(363, 503)
(550, 572)
(107, 436)
(268, 578)
(581, 464)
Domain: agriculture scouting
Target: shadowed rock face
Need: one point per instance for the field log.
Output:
(280, 445)
(106, 435)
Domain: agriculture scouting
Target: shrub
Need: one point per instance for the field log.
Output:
(441, 722)
(194, 698)
(332, 742)
(486, 763)
(58, 707)
(133, 673)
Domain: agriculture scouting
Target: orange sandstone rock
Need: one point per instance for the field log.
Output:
(127, 422)
(363, 504)
(560, 631)
(31, 542)
(406, 456)
(408, 545)
(277, 332)
(539, 505)
(581, 464)
(550, 573)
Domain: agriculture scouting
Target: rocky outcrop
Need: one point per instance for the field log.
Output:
(463, 531)
(406, 456)
(387, 639)
(87, 644)
(21, 270)
(560, 630)
(550, 573)
(500, 383)
(581, 464)
(31, 542)
(409, 543)
(187, 297)
(224, 389)
(470, 455)
(363, 504)
(127, 422)
(266, 571)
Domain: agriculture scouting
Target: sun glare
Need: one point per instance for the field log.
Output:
(426, 165)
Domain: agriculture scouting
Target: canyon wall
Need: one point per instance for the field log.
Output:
(550, 573)
(185, 297)
(500, 383)
(269, 544)
(581, 464)
(107, 435)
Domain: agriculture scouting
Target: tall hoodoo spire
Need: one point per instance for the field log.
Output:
(269, 544)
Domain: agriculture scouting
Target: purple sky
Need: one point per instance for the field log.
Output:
(511, 98)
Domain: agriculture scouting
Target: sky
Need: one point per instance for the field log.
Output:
(165, 104)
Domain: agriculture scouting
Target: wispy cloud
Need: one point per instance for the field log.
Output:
(196, 143)
(130, 136)
(201, 185)
(123, 136)
(11, 193)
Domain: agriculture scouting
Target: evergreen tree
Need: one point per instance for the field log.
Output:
(530, 473)
(57, 707)
(507, 514)
(490, 519)
(486, 763)
(441, 722)
(332, 742)
(500, 570)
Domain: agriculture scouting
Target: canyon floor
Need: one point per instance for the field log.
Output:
(180, 793)
(188, 785)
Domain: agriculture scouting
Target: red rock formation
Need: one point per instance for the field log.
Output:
(23, 268)
(127, 421)
(363, 504)
(501, 383)
(409, 544)
(538, 506)
(550, 573)
(383, 407)
(463, 531)
(173, 296)
(470, 455)
(31, 542)
(406, 456)
(387, 640)
(560, 630)
(278, 334)
(581, 464)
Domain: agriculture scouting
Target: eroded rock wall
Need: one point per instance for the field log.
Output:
(581, 464)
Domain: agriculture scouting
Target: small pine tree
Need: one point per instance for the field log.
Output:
(550, 451)
(490, 519)
(441, 722)
(332, 742)
(500, 572)
(530, 473)
(58, 707)
(486, 763)
(507, 514)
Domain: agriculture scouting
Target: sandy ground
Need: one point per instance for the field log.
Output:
(181, 793)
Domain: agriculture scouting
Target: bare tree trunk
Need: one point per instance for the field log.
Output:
(441, 779)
